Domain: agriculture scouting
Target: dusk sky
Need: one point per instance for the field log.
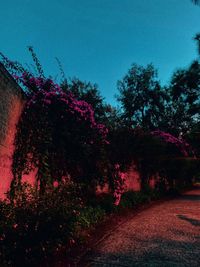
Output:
(98, 40)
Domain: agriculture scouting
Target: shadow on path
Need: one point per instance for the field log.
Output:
(157, 253)
(190, 220)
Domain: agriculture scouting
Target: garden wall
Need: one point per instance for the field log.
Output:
(11, 104)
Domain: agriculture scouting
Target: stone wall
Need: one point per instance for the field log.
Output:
(11, 104)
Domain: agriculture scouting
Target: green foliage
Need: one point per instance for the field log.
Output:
(174, 108)
(58, 136)
(196, 2)
(193, 138)
(131, 199)
(141, 97)
(179, 173)
(88, 92)
(105, 201)
(90, 216)
(34, 227)
(36, 61)
(185, 99)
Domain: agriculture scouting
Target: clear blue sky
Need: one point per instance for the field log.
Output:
(98, 40)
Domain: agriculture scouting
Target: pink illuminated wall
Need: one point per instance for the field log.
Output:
(11, 104)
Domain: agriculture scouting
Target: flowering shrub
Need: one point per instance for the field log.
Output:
(57, 135)
(182, 146)
(35, 227)
(155, 153)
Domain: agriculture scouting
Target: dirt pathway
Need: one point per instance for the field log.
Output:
(165, 235)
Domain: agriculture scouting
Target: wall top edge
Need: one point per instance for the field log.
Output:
(6, 74)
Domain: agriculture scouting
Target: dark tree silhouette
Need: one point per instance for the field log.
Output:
(196, 2)
(141, 97)
(185, 98)
(197, 39)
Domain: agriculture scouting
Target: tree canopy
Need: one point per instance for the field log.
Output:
(141, 97)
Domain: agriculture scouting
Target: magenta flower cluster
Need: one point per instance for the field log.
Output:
(34, 84)
(181, 144)
(48, 92)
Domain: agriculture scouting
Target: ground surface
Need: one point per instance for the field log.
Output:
(167, 234)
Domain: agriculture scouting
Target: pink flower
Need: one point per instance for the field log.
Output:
(55, 184)
(117, 199)
(72, 241)
(168, 138)
(2, 237)
(47, 101)
(15, 225)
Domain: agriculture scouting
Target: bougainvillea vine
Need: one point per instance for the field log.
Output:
(181, 144)
(57, 134)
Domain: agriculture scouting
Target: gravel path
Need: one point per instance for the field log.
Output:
(165, 235)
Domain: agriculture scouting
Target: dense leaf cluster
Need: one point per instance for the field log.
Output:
(57, 135)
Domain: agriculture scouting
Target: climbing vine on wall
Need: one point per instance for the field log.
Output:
(57, 135)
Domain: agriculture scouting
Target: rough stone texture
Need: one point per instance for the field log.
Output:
(11, 104)
(166, 235)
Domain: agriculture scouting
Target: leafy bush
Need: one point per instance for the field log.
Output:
(179, 173)
(57, 135)
(33, 227)
(89, 216)
(131, 199)
(105, 201)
